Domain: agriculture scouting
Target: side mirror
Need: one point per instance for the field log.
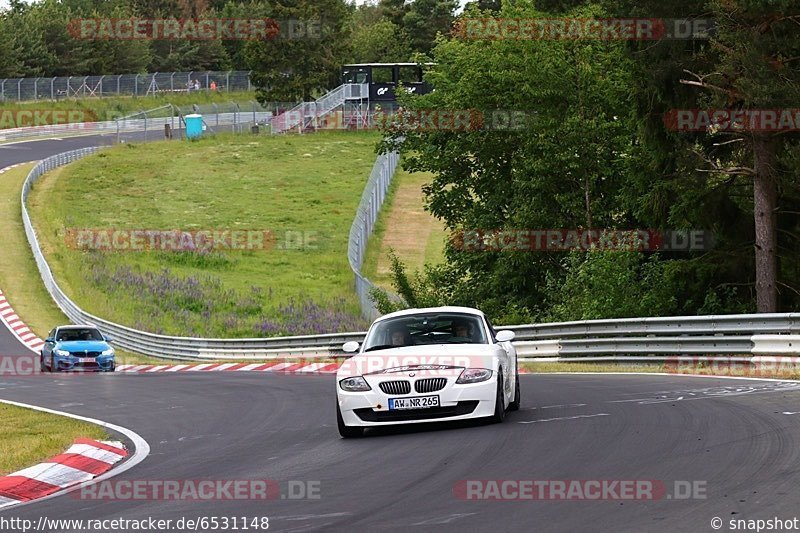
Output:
(107, 338)
(49, 340)
(350, 347)
(505, 335)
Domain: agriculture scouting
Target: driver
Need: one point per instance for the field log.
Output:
(460, 328)
(400, 336)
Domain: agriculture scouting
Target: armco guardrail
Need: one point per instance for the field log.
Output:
(753, 335)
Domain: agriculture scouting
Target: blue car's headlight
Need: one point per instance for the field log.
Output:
(62, 353)
(110, 351)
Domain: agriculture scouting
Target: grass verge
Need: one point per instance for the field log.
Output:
(303, 189)
(404, 226)
(19, 276)
(28, 437)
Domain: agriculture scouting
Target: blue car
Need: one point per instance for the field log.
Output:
(77, 348)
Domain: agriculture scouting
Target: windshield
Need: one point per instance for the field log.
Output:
(82, 334)
(415, 330)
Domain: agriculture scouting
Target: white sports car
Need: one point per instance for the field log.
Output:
(427, 365)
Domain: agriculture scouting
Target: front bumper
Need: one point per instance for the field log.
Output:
(100, 364)
(456, 402)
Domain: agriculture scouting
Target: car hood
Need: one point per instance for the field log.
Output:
(431, 358)
(81, 346)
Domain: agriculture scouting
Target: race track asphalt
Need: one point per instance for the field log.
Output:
(731, 437)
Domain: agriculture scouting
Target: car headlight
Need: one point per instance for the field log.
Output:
(356, 384)
(474, 375)
(62, 353)
(110, 351)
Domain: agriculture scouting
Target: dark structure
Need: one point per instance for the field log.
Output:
(384, 78)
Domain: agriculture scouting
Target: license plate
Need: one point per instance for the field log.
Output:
(419, 402)
(86, 359)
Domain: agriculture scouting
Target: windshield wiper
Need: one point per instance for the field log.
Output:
(381, 347)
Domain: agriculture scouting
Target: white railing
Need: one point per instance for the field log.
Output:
(308, 114)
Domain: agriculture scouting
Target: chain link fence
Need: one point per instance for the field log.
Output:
(25, 89)
(168, 121)
(367, 215)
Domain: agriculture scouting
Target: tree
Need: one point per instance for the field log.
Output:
(751, 62)
(755, 66)
(562, 167)
(380, 42)
(293, 69)
(425, 18)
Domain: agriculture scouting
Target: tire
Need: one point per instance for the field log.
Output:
(499, 409)
(514, 405)
(53, 367)
(347, 432)
(42, 368)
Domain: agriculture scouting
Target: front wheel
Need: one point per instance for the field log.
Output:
(499, 404)
(42, 368)
(347, 432)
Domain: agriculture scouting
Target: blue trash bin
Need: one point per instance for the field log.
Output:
(194, 126)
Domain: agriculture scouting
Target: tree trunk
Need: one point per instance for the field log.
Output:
(765, 194)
